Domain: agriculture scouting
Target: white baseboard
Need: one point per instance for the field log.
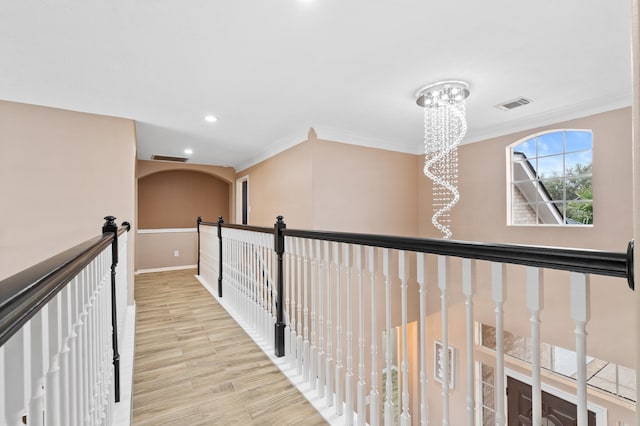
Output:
(169, 268)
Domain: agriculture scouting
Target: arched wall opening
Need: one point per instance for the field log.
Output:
(169, 203)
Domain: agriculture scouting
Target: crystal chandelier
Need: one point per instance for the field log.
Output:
(444, 127)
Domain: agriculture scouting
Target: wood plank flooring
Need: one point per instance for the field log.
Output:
(195, 366)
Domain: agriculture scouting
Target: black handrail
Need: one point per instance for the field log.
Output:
(262, 229)
(613, 264)
(24, 294)
(606, 263)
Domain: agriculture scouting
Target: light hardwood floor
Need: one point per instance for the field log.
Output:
(195, 366)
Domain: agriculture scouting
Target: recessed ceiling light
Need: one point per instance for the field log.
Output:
(210, 118)
(188, 151)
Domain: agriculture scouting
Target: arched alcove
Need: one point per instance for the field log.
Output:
(175, 198)
(169, 203)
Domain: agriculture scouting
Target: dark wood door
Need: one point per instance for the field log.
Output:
(555, 411)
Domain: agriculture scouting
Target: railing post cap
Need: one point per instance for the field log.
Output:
(220, 219)
(111, 220)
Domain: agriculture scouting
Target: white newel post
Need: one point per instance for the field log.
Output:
(580, 314)
(535, 302)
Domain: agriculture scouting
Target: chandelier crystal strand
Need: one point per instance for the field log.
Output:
(444, 128)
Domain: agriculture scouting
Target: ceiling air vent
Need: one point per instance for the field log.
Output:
(514, 103)
(169, 158)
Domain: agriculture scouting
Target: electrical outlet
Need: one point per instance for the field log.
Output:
(176, 253)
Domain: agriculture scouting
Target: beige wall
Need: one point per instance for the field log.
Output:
(364, 190)
(481, 213)
(282, 185)
(327, 185)
(175, 199)
(157, 250)
(61, 172)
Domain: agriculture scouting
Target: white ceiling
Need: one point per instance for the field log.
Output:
(270, 70)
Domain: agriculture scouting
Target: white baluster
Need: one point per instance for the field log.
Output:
(287, 303)
(265, 285)
(388, 403)
(322, 262)
(313, 351)
(339, 374)
(535, 302)
(443, 266)
(294, 336)
(374, 395)
(423, 338)
(348, 380)
(38, 354)
(81, 349)
(65, 353)
(14, 378)
(329, 360)
(499, 294)
(580, 314)
(91, 343)
(300, 343)
(305, 313)
(469, 289)
(3, 382)
(255, 269)
(361, 381)
(405, 417)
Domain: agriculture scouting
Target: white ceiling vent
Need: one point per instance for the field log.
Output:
(169, 158)
(513, 103)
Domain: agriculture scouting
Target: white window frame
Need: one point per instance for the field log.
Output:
(510, 174)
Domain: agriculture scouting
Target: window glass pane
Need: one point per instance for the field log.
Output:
(523, 214)
(580, 212)
(550, 166)
(579, 188)
(578, 163)
(550, 144)
(552, 189)
(528, 148)
(577, 140)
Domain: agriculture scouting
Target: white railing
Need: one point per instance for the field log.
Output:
(57, 368)
(332, 324)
